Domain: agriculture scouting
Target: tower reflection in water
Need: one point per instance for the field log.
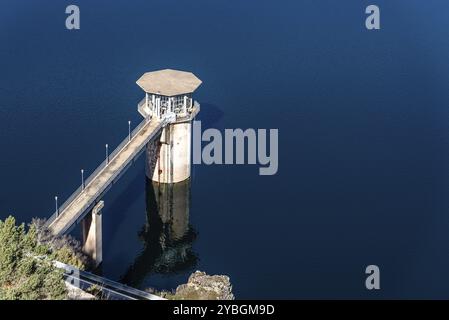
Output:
(167, 236)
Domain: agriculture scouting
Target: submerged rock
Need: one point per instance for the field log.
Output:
(201, 286)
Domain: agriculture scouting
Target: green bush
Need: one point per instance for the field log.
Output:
(27, 271)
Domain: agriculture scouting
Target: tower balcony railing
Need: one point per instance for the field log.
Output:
(191, 113)
(146, 111)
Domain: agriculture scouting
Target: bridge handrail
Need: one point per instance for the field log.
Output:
(142, 102)
(98, 170)
(86, 286)
(105, 284)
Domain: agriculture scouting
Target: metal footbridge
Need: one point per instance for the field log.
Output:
(74, 209)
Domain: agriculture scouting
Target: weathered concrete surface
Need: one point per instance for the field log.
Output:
(173, 164)
(92, 234)
(169, 82)
(74, 293)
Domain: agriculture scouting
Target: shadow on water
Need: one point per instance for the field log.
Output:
(167, 236)
(210, 115)
(119, 204)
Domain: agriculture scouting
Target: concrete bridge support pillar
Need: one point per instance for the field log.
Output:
(92, 234)
(168, 158)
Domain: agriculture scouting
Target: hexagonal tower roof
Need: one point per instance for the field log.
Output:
(169, 82)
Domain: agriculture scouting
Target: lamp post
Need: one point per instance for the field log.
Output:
(56, 204)
(82, 179)
(129, 130)
(107, 154)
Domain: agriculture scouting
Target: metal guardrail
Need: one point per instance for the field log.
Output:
(90, 287)
(142, 102)
(143, 109)
(108, 289)
(99, 170)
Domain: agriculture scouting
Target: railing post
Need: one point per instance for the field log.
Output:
(82, 180)
(57, 207)
(87, 180)
(107, 154)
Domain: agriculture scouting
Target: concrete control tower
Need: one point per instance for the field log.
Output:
(168, 96)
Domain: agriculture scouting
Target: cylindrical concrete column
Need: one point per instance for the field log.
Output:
(173, 154)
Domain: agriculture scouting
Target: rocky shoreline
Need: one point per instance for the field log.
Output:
(201, 286)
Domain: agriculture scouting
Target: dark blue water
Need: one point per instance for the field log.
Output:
(363, 122)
